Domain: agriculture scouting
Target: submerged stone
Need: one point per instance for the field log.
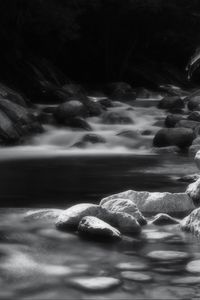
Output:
(131, 266)
(95, 284)
(163, 256)
(164, 219)
(136, 276)
(93, 227)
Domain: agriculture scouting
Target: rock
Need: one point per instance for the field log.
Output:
(193, 191)
(93, 139)
(121, 91)
(46, 118)
(74, 90)
(130, 134)
(70, 110)
(157, 235)
(78, 123)
(189, 178)
(164, 219)
(167, 257)
(43, 214)
(125, 206)
(180, 137)
(197, 160)
(132, 266)
(186, 280)
(194, 103)
(172, 120)
(196, 141)
(193, 266)
(144, 93)
(116, 118)
(193, 150)
(169, 149)
(124, 222)
(70, 218)
(192, 222)
(194, 116)
(146, 132)
(152, 203)
(95, 284)
(136, 276)
(93, 107)
(187, 124)
(105, 102)
(92, 227)
(13, 96)
(171, 103)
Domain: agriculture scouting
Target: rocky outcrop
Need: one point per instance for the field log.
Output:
(92, 227)
(70, 218)
(181, 137)
(125, 206)
(192, 222)
(152, 203)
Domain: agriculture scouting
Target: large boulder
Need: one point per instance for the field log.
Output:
(125, 206)
(70, 110)
(191, 223)
(116, 118)
(69, 219)
(88, 139)
(181, 137)
(193, 191)
(171, 103)
(92, 227)
(153, 203)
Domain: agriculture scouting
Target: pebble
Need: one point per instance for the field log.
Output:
(193, 266)
(95, 284)
(136, 276)
(168, 256)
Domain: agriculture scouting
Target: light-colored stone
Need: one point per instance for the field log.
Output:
(43, 214)
(192, 222)
(136, 276)
(95, 284)
(125, 206)
(193, 191)
(70, 218)
(163, 256)
(152, 203)
(96, 228)
(131, 266)
(163, 219)
(193, 266)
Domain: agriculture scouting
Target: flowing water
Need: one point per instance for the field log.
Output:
(39, 262)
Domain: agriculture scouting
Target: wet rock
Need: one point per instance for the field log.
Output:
(194, 116)
(74, 90)
(187, 124)
(169, 149)
(130, 134)
(116, 118)
(193, 191)
(193, 266)
(132, 266)
(13, 96)
(172, 120)
(106, 102)
(152, 203)
(187, 280)
(92, 227)
(121, 91)
(189, 178)
(124, 222)
(93, 107)
(171, 103)
(125, 206)
(180, 137)
(144, 93)
(93, 139)
(146, 132)
(194, 103)
(191, 223)
(167, 257)
(136, 276)
(164, 219)
(70, 218)
(43, 214)
(78, 123)
(95, 284)
(70, 110)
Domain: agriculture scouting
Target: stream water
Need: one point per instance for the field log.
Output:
(39, 262)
